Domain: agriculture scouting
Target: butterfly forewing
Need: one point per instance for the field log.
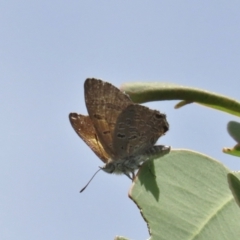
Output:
(137, 129)
(85, 130)
(105, 103)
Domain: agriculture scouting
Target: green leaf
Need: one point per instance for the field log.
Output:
(234, 185)
(141, 92)
(185, 195)
(235, 151)
(234, 131)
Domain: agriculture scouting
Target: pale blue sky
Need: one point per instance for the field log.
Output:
(47, 50)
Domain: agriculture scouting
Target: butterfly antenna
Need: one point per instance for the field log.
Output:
(90, 180)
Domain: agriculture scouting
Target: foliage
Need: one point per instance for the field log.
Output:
(185, 194)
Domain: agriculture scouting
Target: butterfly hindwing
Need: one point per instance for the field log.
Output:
(138, 129)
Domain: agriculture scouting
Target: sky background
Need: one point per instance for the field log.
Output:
(47, 50)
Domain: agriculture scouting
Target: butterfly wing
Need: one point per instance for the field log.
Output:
(138, 129)
(83, 126)
(104, 104)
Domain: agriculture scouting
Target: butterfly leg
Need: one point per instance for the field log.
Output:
(133, 175)
(128, 175)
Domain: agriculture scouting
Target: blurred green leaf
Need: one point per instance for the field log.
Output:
(185, 195)
(234, 130)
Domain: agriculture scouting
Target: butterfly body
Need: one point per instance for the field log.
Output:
(130, 164)
(121, 133)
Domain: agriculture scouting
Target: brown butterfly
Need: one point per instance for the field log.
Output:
(121, 133)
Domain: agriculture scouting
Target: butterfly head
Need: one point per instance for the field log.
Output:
(109, 167)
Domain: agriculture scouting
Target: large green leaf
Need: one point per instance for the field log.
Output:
(185, 195)
(141, 92)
